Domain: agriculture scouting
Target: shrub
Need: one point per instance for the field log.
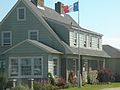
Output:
(43, 86)
(9, 84)
(51, 79)
(36, 85)
(72, 78)
(92, 77)
(117, 77)
(21, 87)
(60, 82)
(2, 81)
(105, 75)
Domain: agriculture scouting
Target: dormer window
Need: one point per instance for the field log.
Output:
(85, 41)
(90, 41)
(98, 44)
(21, 13)
(85, 44)
(75, 38)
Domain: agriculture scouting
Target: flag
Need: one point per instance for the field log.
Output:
(71, 8)
(75, 6)
(66, 9)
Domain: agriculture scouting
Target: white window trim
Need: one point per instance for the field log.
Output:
(3, 38)
(18, 14)
(33, 31)
(75, 38)
(9, 71)
(19, 68)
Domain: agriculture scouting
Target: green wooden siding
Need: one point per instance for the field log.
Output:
(28, 50)
(20, 29)
(113, 64)
(60, 30)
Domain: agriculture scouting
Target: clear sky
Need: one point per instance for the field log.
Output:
(102, 16)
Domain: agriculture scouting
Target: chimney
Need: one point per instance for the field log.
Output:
(59, 7)
(38, 2)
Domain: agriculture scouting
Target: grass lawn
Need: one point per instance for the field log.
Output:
(95, 87)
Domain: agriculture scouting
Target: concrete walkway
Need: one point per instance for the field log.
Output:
(111, 88)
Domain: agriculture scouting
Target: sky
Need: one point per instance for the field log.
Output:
(101, 16)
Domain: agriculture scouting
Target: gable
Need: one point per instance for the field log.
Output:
(34, 21)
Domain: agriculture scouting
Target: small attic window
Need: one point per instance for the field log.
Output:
(21, 13)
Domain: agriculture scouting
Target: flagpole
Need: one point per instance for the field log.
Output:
(79, 63)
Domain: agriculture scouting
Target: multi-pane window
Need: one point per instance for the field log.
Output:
(6, 38)
(14, 67)
(75, 38)
(94, 42)
(26, 66)
(33, 34)
(90, 41)
(82, 40)
(21, 13)
(85, 41)
(98, 44)
(55, 66)
(37, 66)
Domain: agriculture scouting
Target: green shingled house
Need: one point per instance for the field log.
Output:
(35, 40)
(113, 62)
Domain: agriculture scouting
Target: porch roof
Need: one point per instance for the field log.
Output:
(85, 52)
(37, 44)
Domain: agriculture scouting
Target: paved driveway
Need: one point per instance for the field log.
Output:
(112, 88)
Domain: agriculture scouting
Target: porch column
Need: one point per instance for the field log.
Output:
(14, 83)
(66, 70)
(98, 62)
(75, 67)
(104, 63)
(31, 83)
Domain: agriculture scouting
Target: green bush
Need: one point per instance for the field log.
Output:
(21, 87)
(9, 84)
(41, 86)
(105, 75)
(2, 81)
(72, 79)
(51, 79)
(36, 85)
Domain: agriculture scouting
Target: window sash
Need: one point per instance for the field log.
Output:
(55, 66)
(21, 13)
(33, 34)
(37, 66)
(26, 66)
(13, 67)
(6, 38)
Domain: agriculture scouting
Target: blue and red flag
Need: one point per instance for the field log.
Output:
(71, 8)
